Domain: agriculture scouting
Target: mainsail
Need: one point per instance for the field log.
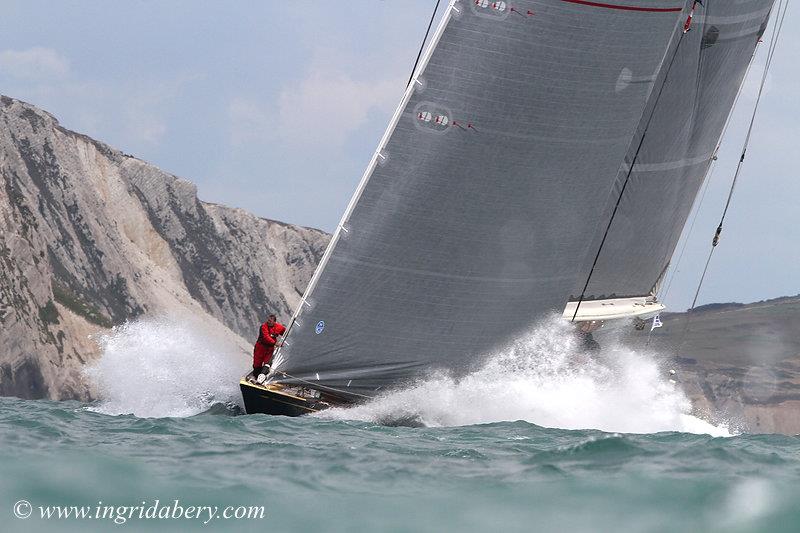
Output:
(486, 193)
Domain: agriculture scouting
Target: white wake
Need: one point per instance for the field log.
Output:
(160, 367)
(548, 379)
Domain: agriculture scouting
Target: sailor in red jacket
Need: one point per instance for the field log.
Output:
(265, 345)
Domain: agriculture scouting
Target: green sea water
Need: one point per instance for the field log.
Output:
(501, 449)
(315, 474)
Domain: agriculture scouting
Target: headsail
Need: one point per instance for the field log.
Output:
(472, 217)
(677, 149)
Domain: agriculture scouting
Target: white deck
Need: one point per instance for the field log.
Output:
(639, 306)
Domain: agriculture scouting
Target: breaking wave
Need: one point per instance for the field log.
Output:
(546, 378)
(160, 367)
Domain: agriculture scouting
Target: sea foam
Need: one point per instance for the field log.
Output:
(162, 367)
(545, 377)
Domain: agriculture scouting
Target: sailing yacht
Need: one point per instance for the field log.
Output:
(543, 159)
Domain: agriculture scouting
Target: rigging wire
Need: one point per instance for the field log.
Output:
(770, 55)
(776, 31)
(424, 40)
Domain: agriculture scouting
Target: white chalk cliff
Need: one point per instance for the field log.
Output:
(91, 237)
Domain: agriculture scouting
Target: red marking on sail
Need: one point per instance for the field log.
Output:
(688, 25)
(518, 12)
(626, 7)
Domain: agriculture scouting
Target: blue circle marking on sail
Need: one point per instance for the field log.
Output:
(320, 327)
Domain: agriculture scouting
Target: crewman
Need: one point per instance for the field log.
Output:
(265, 345)
(585, 334)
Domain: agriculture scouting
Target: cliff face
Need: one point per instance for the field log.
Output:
(739, 361)
(91, 237)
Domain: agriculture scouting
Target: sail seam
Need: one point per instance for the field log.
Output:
(447, 276)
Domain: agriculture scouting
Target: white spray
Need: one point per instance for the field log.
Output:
(547, 378)
(159, 367)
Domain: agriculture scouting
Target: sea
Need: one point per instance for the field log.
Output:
(543, 437)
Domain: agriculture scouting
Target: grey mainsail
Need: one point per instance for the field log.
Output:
(676, 150)
(485, 192)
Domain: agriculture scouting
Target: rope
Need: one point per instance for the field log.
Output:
(422, 45)
(627, 177)
(776, 31)
(319, 386)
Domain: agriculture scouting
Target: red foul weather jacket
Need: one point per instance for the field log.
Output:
(265, 345)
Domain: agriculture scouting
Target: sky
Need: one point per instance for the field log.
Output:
(276, 107)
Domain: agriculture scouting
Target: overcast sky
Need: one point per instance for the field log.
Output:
(277, 106)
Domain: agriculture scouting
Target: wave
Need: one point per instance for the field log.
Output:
(546, 378)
